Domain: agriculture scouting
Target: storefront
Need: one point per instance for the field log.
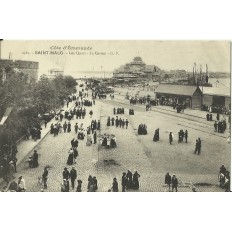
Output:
(213, 96)
(190, 96)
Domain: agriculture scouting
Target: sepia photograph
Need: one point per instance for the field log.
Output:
(115, 116)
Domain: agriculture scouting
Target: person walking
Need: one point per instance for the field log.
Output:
(69, 127)
(65, 126)
(79, 185)
(196, 147)
(215, 126)
(73, 176)
(124, 182)
(65, 174)
(35, 159)
(174, 183)
(168, 181)
(199, 146)
(115, 185)
(129, 179)
(170, 138)
(186, 136)
(95, 137)
(45, 177)
(136, 180)
(76, 127)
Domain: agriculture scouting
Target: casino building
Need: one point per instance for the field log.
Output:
(137, 68)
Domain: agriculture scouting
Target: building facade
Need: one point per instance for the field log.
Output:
(213, 96)
(55, 73)
(137, 68)
(190, 96)
(29, 68)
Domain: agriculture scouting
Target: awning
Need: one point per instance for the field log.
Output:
(6, 115)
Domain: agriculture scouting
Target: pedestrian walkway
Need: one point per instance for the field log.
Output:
(25, 147)
(105, 163)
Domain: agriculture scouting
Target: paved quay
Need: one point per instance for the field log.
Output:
(134, 152)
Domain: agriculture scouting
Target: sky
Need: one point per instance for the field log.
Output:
(109, 55)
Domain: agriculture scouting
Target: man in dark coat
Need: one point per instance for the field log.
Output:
(215, 126)
(65, 174)
(73, 176)
(116, 121)
(136, 180)
(186, 136)
(129, 178)
(76, 127)
(45, 177)
(126, 123)
(95, 137)
(174, 182)
(124, 182)
(65, 127)
(69, 127)
(35, 159)
(98, 125)
(196, 146)
(168, 180)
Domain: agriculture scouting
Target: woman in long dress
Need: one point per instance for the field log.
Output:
(70, 157)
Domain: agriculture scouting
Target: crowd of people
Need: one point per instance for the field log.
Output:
(118, 122)
(182, 135)
(118, 111)
(129, 181)
(35, 133)
(220, 126)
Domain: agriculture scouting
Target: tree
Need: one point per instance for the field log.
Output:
(44, 96)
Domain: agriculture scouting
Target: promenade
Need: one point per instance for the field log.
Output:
(151, 160)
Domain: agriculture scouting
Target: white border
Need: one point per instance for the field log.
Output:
(116, 20)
